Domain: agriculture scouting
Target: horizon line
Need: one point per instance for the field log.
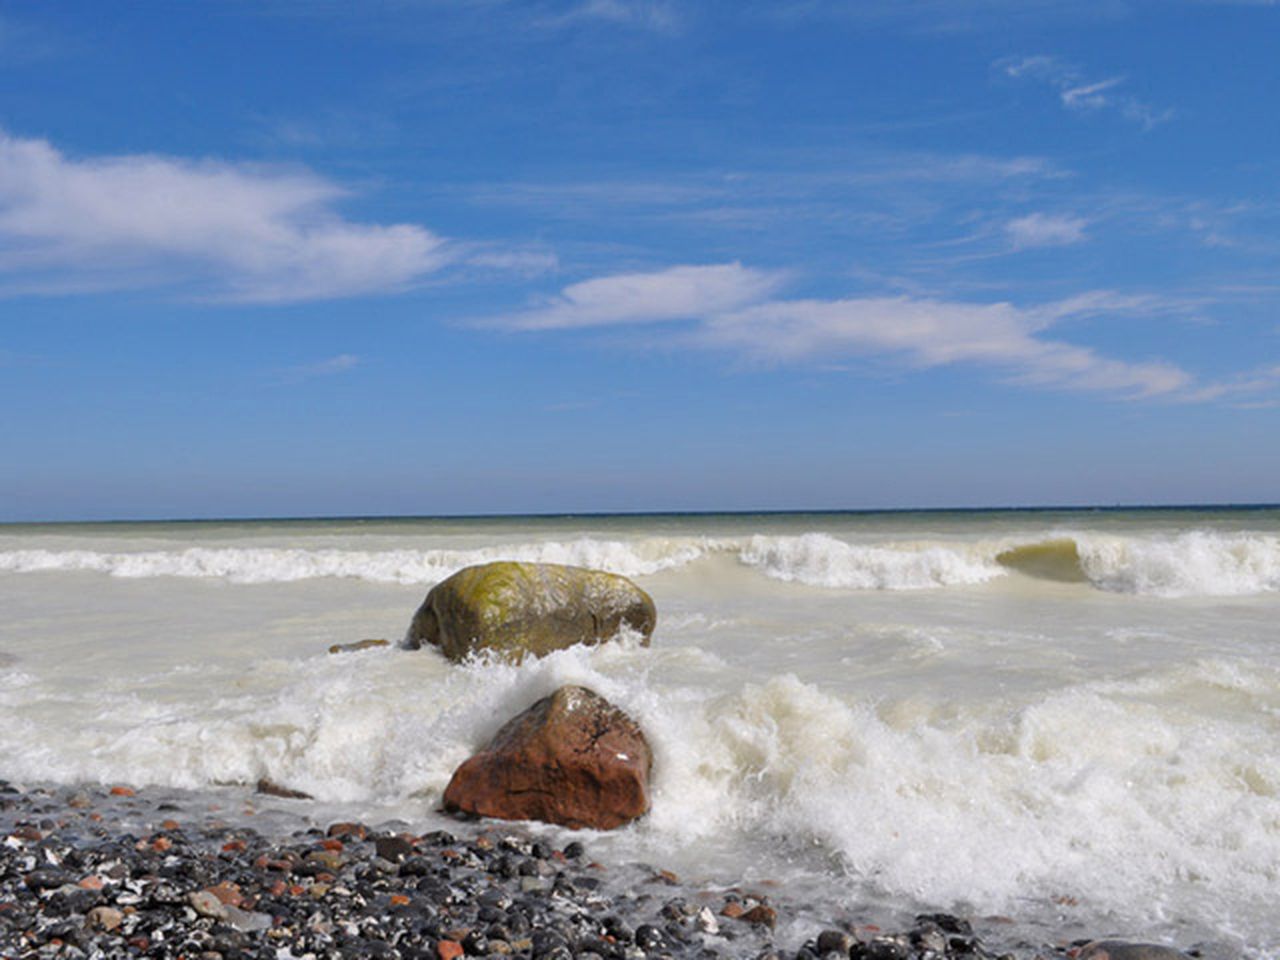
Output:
(640, 514)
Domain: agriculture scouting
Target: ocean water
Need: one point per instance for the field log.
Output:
(1070, 719)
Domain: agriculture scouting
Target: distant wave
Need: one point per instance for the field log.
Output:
(284, 565)
(823, 561)
(1197, 563)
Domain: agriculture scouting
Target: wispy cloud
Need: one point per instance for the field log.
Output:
(678, 293)
(1044, 230)
(320, 368)
(209, 228)
(936, 333)
(1080, 93)
(655, 15)
(526, 263)
(731, 307)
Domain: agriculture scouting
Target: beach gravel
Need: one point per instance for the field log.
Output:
(79, 878)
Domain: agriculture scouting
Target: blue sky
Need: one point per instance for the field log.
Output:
(320, 258)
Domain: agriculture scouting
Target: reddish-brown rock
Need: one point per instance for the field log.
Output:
(573, 758)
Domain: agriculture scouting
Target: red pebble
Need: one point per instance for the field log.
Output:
(122, 792)
(449, 949)
(334, 845)
(227, 892)
(355, 830)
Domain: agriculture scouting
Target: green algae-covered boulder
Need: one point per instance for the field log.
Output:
(518, 609)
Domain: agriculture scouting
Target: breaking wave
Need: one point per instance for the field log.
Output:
(1195, 563)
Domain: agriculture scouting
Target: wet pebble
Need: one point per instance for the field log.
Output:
(74, 883)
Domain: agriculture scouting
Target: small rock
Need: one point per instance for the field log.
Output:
(330, 860)
(762, 915)
(247, 921)
(208, 905)
(105, 918)
(393, 849)
(358, 645)
(227, 892)
(706, 921)
(272, 789)
(834, 941)
(355, 831)
(648, 937)
(1122, 950)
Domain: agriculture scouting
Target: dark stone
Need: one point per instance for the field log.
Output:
(834, 941)
(392, 849)
(648, 937)
(272, 789)
(946, 922)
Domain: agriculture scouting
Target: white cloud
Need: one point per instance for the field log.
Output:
(935, 333)
(730, 307)
(1045, 230)
(230, 231)
(1081, 94)
(678, 293)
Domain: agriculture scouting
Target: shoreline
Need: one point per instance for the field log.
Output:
(97, 871)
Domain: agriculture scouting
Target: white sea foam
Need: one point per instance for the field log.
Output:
(1095, 793)
(405, 566)
(1195, 563)
(823, 561)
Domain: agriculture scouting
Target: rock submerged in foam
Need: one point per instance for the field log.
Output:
(572, 758)
(1123, 950)
(521, 609)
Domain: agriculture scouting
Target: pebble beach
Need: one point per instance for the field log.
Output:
(93, 871)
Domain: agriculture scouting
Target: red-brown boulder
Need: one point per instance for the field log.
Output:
(572, 758)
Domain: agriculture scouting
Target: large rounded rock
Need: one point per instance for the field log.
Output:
(528, 608)
(573, 758)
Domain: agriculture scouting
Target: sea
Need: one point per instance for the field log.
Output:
(1062, 723)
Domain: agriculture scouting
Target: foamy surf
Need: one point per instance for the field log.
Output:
(1194, 563)
(1093, 795)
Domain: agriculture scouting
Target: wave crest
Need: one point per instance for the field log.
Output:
(820, 560)
(1195, 563)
